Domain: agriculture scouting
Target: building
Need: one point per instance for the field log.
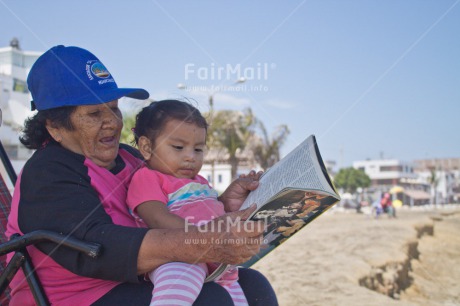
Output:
(217, 170)
(386, 174)
(15, 99)
(443, 174)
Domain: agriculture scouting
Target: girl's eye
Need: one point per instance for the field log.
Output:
(178, 147)
(198, 150)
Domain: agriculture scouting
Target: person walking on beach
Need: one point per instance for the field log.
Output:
(387, 205)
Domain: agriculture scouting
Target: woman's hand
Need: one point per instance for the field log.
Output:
(232, 240)
(239, 189)
(227, 239)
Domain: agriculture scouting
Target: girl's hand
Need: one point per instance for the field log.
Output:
(239, 189)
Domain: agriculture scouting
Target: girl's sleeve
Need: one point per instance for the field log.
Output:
(146, 185)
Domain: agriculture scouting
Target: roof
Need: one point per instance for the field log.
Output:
(417, 194)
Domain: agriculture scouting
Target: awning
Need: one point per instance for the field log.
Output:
(417, 194)
(396, 189)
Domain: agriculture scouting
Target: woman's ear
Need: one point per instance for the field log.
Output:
(145, 147)
(54, 131)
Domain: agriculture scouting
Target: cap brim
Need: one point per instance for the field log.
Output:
(104, 97)
(115, 94)
(135, 93)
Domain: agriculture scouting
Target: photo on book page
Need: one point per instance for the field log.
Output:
(287, 214)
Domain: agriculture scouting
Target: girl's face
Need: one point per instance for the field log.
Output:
(96, 133)
(177, 151)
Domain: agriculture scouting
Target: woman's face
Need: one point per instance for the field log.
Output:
(96, 133)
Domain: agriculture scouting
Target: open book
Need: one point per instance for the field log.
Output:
(290, 195)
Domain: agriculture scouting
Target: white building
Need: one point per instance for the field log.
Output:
(388, 173)
(446, 175)
(15, 99)
(217, 170)
(221, 174)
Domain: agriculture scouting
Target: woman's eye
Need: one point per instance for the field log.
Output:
(115, 109)
(95, 113)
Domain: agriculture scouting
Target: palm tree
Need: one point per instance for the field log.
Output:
(266, 149)
(433, 179)
(228, 133)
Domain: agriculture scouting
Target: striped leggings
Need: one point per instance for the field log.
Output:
(180, 283)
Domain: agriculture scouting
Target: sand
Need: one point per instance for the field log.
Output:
(345, 258)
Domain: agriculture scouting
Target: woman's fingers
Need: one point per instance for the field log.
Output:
(234, 238)
(241, 214)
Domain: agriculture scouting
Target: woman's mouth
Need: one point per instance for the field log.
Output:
(109, 141)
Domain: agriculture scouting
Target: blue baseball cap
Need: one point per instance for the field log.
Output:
(71, 76)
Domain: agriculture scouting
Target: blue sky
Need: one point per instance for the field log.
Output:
(368, 78)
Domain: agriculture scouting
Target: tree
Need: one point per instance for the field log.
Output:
(433, 179)
(266, 148)
(127, 135)
(349, 179)
(231, 130)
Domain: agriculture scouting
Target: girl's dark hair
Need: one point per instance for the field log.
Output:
(151, 120)
(35, 134)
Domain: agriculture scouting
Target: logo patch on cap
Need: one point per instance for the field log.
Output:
(99, 70)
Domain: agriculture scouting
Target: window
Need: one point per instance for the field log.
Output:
(20, 86)
(391, 168)
(219, 178)
(384, 182)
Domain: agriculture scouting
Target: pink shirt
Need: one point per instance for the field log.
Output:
(191, 199)
(61, 286)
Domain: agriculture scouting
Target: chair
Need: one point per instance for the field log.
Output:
(17, 245)
(5, 199)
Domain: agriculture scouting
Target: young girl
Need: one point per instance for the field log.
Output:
(167, 192)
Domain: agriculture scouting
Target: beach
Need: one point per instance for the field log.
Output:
(346, 258)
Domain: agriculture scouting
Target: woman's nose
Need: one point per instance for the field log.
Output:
(111, 119)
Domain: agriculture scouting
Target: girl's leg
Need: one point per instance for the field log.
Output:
(229, 282)
(237, 294)
(177, 283)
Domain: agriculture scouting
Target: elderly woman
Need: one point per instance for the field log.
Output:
(76, 183)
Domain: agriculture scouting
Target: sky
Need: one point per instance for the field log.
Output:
(371, 79)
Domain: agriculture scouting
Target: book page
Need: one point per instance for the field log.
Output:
(286, 214)
(300, 169)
